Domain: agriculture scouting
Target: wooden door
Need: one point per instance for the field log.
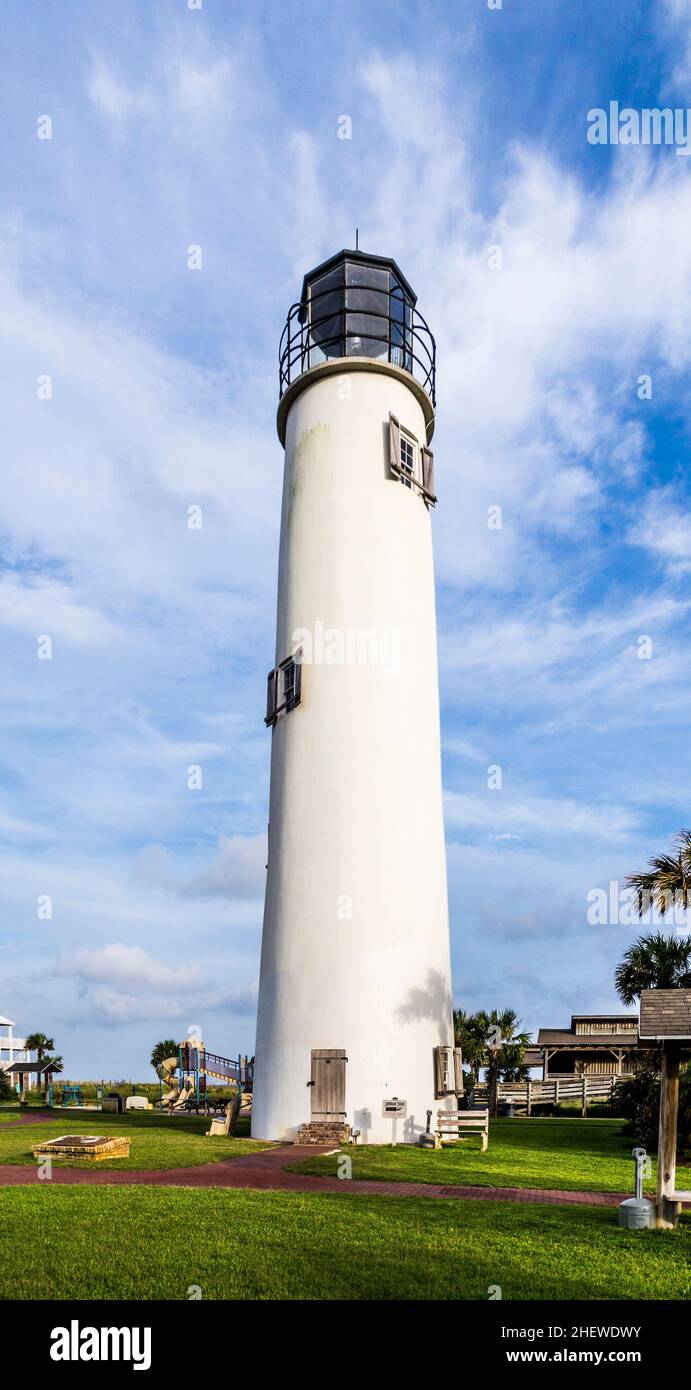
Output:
(328, 1083)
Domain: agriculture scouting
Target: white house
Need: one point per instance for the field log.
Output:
(12, 1049)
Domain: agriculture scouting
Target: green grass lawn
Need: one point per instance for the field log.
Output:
(148, 1243)
(158, 1140)
(571, 1155)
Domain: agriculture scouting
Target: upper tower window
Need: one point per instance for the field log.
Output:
(408, 453)
(356, 305)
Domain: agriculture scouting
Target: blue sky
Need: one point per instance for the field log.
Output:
(218, 127)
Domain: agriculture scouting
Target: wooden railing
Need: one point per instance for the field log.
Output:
(525, 1094)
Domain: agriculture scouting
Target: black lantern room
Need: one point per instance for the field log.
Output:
(355, 305)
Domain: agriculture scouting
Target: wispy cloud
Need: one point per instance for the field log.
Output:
(664, 530)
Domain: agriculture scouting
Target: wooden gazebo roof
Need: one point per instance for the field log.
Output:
(588, 1042)
(665, 1015)
(41, 1068)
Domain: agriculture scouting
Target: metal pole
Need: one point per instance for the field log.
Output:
(667, 1209)
(639, 1160)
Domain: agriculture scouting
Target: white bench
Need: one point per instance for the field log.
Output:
(225, 1124)
(455, 1124)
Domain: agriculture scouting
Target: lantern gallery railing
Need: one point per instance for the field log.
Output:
(357, 321)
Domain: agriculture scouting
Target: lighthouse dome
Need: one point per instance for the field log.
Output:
(357, 306)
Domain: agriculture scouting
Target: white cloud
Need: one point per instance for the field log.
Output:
(43, 606)
(107, 1006)
(530, 815)
(115, 98)
(664, 529)
(193, 86)
(118, 965)
(239, 871)
(678, 15)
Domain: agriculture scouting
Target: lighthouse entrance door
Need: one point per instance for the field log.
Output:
(328, 1083)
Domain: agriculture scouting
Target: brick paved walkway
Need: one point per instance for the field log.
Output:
(39, 1118)
(267, 1171)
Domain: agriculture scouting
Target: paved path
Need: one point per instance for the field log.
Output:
(39, 1118)
(267, 1171)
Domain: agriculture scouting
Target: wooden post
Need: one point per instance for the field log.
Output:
(584, 1097)
(556, 1093)
(529, 1098)
(667, 1211)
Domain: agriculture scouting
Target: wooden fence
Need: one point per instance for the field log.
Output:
(525, 1094)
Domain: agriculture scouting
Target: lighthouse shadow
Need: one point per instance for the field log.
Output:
(430, 1000)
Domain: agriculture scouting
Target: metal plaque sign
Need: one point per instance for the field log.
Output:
(394, 1109)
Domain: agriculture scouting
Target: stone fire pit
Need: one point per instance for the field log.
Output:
(90, 1146)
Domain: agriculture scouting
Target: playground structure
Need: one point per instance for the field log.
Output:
(72, 1097)
(185, 1076)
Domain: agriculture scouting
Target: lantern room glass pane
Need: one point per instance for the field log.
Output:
(400, 310)
(326, 316)
(367, 304)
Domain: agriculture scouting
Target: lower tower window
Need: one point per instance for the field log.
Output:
(284, 687)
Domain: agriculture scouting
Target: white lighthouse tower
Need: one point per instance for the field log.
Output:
(354, 1021)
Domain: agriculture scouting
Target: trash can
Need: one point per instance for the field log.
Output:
(506, 1109)
(113, 1103)
(637, 1214)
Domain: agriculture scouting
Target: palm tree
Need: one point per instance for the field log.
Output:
(168, 1048)
(492, 1040)
(40, 1044)
(469, 1037)
(505, 1048)
(668, 878)
(517, 1073)
(655, 961)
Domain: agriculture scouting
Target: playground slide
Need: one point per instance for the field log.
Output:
(198, 1063)
(166, 1073)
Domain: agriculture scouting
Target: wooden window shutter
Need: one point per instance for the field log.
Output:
(271, 689)
(437, 1072)
(297, 688)
(443, 1071)
(458, 1071)
(394, 447)
(428, 475)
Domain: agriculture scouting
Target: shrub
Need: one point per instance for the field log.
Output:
(639, 1103)
(7, 1091)
(597, 1109)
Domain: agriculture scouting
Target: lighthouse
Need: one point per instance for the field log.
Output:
(354, 1026)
